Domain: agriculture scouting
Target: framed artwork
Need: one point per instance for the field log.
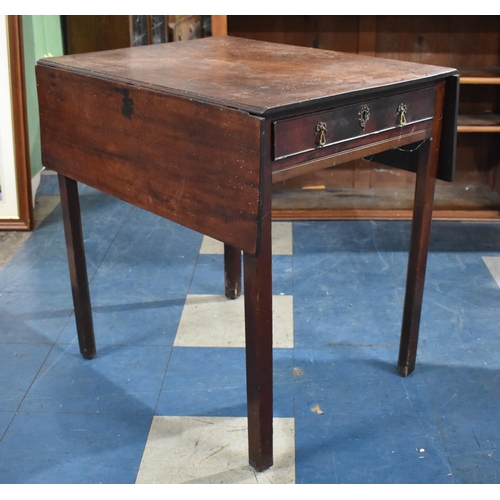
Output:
(16, 207)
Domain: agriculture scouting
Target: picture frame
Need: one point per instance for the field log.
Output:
(16, 206)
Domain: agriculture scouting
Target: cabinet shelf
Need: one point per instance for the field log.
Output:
(479, 122)
(480, 76)
(453, 201)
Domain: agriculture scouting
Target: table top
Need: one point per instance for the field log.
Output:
(253, 76)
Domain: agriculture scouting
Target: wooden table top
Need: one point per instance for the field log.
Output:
(253, 76)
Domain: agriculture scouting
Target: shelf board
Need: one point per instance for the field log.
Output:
(454, 201)
(480, 76)
(480, 122)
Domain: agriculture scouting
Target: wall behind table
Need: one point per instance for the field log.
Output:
(42, 37)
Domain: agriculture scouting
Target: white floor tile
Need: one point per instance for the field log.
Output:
(493, 264)
(212, 450)
(215, 321)
(281, 241)
(211, 246)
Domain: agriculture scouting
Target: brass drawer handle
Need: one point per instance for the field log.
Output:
(321, 129)
(363, 116)
(402, 109)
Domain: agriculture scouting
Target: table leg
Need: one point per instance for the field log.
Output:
(232, 271)
(70, 205)
(428, 158)
(417, 261)
(259, 351)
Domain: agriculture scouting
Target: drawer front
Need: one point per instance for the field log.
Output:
(321, 131)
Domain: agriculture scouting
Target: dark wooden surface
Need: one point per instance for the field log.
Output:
(159, 152)
(252, 76)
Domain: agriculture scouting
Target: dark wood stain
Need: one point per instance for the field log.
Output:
(128, 104)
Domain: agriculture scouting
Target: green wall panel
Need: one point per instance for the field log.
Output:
(42, 37)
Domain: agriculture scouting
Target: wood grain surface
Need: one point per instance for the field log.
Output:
(196, 164)
(251, 75)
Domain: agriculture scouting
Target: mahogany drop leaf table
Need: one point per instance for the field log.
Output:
(198, 131)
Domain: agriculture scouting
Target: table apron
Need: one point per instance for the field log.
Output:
(339, 155)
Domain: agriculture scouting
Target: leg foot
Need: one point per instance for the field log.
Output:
(232, 272)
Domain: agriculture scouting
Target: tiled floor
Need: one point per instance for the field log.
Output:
(164, 401)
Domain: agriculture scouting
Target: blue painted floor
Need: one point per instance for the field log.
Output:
(67, 420)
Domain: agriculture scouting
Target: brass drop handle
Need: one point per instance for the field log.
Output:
(321, 129)
(402, 109)
(363, 116)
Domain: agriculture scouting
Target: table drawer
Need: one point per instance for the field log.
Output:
(321, 131)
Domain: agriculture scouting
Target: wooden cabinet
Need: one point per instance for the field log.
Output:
(96, 33)
(360, 189)
(476, 118)
(363, 190)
